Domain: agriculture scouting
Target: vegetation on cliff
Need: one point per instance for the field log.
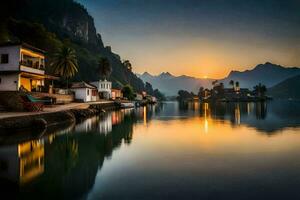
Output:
(50, 24)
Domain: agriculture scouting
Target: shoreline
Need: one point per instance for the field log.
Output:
(38, 122)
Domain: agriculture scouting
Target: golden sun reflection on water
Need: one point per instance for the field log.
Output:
(205, 133)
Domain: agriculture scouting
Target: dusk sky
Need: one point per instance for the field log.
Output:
(199, 38)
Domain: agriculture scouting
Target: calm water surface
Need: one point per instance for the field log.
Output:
(168, 151)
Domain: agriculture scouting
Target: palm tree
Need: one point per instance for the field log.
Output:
(64, 63)
(260, 90)
(231, 82)
(104, 68)
(201, 92)
(127, 65)
(237, 85)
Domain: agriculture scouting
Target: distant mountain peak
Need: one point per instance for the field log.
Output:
(268, 74)
(146, 74)
(166, 75)
(267, 65)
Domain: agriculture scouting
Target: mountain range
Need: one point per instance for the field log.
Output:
(170, 84)
(289, 88)
(268, 74)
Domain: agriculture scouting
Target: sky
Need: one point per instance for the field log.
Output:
(200, 38)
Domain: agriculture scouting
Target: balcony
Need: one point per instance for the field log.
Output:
(32, 67)
(32, 64)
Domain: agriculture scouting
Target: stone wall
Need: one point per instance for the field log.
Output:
(11, 100)
(60, 98)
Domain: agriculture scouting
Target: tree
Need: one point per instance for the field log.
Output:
(127, 65)
(214, 82)
(160, 96)
(260, 90)
(128, 92)
(222, 85)
(148, 88)
(64, 63)
(231, 82)
(201, 92)
(237, 85)
(104, 68)
(184, 95)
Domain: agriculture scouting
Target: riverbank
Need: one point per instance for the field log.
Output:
(21, 121)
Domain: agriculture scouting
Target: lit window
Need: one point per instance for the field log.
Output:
(4, 58)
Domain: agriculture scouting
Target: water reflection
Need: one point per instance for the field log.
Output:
(267, 117)
(65, 163)
(71, 157)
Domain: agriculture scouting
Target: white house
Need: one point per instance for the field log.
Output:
(104, 88)
(21, 66)
(84, 91)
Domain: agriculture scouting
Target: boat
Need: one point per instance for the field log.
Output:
(127, 105)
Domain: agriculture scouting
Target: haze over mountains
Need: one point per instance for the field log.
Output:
(268, 74)
(170, 84)
(289, 88)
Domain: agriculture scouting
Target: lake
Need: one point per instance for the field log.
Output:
(165, 151)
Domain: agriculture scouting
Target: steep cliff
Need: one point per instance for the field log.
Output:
(49, 23)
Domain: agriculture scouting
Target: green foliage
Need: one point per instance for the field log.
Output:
(127, 65)
(47, 24)
(231, 82)
(34, 34)
(128, 92)
(148, 88)
(260, 90)
(64, 63)
(184, 95)
(159, 96)
(104, 68)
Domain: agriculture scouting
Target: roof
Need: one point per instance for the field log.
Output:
(114, 89)
(82, 84)
(24, 45)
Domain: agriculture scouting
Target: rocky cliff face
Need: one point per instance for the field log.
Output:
(66, 18)
(70, 21)
(79, 25)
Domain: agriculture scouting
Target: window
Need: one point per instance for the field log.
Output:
(0, 80)
(88, 92)
(4, 58)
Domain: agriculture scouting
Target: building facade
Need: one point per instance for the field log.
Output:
(104, 89)
(85, 92)
(21, 67)
(116, 94)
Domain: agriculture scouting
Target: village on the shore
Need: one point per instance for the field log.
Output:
(26, 85)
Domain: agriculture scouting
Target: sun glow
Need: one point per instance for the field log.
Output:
(206, 77)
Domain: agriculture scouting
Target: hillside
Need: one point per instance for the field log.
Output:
(268, 74)
(289, 88)
(170, 84)
(48, 24)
